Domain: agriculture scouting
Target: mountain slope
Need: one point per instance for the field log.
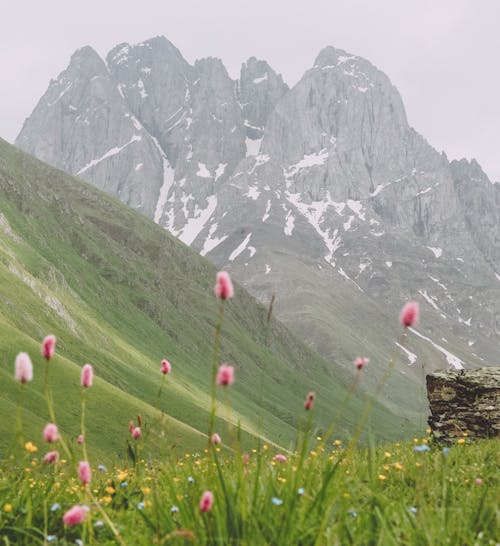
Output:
(121, 293)
(321, 194)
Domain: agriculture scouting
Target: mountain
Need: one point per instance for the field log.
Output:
(122, 293)
(321, 193)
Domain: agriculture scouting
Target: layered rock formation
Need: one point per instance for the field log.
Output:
(464, 403)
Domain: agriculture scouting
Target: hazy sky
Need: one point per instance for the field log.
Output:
(442, 55)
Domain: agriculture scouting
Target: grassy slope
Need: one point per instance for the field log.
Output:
(119, 292)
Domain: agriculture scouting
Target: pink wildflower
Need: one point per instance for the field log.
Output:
(51, 457)
(207, 501)
(308, 404)
(87, 376)
(409, 314)
(84, 472)
(75, 515)
(225, 375)
(49, 346)
(136, 433)
(80, 439)
(50, 433)
(223, 286)
(361, 362)
(280, 458)
(479, 481)
(24, 368)
(165, 367)
(216, 438)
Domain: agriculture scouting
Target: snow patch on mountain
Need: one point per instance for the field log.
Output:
(452, 359)
(240, 248)
(436, 251)
(197, 222)
(203, 172)
(110, 153)
(211, 242)
(412, 357)
(290, 220)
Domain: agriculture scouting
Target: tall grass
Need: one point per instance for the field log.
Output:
(318, 491)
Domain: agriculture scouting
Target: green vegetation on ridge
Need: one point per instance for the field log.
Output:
(121, 293)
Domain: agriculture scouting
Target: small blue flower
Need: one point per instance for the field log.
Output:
(301, 490)
(276, 501)
(191, 479)
(140, 505)
(412, 509)
(123, 485)
(102, 468)
(99, 523)
(54, 508)
(51, 538)
(422, 448)
(446, 451)
(352, 512)
(174, 509)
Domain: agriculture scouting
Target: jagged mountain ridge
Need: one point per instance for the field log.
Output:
(324, 184)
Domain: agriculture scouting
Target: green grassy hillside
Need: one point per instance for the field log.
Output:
(121, 293)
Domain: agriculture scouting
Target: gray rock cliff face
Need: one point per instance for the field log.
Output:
(324, 184)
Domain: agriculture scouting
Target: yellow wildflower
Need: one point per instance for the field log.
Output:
(387, 455)
(109, 490)
(146, 490)
(382, 477)
(461, 441)
(107, 499)
(398, 466)
(7, 507)
(30, 447)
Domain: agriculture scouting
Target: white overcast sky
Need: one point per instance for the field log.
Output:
(442, 55)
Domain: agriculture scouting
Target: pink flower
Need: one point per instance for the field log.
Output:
(308, 404)
(84, 472)
(165, 367)
(361, 362)
(75, 515)
(409, 314)
(207, 501)
(80, 439)
(225, 375)
(223, 286)
(24, 368)
(50, 433)
(136, 433)
(280, 458)
(215, 438)
(87, 376)
(479, 481)
(51, 457)
(49, 346)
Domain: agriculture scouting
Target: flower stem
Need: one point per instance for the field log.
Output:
(214, 373)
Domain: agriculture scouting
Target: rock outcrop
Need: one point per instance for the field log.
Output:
(464, 402)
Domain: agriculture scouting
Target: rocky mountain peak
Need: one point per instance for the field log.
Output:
(322, 184)
(330, 56)
(260, 88)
